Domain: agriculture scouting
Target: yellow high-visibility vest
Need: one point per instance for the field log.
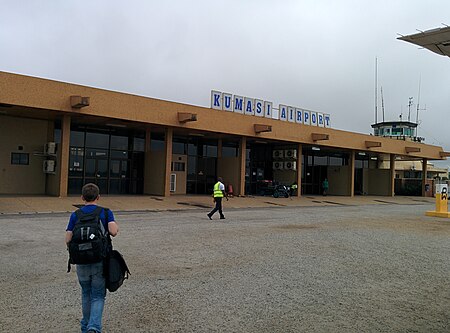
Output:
(217, 192)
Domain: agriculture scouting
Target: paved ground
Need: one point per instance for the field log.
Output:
(319, 267)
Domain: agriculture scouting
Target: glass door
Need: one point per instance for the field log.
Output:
(96, 170)
(119, 176)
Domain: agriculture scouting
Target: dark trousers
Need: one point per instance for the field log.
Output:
(217, 208)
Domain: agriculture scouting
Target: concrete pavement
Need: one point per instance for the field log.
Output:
(46, 204)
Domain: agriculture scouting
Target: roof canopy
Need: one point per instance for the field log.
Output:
(436, 40)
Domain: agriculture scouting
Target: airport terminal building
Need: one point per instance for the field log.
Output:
(56, 136)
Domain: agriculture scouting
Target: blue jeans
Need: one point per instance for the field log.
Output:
(93, 293)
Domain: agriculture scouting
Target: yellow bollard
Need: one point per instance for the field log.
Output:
(441, 202)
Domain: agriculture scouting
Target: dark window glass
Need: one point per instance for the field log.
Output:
(138, 144)
(178, 148)
(75, 185)
(97, 140)
(157, 141)
(192, 149)
(119, 142)
(320, 160)
(157, 145)
(96, 153)
(77, 139)
(114, 168)
(211, 151)
(336, 160)
(229, 152)
(20, 158)
(119, 154)
(178, 166)
(57, 135)
(76, 162)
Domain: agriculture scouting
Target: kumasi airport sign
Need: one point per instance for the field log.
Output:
(260, 108)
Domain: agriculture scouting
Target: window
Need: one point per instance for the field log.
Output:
(178, 166)
(20, 158)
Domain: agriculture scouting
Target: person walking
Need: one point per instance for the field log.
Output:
(83, 225)
(219, 193)
(325, 186)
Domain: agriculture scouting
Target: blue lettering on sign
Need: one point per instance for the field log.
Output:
(268, 110)
(216, 100)
(299, 116)
(320, 119)
(258, 108)
(238, 104)
(327, 121)
(249, 107)
(227, 102)
(283, 113)
(306, 117)
(313, 118)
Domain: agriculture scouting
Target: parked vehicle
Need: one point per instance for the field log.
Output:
(281, 191)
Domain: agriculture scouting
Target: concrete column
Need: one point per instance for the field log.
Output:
(424, 175)
(242, 154)
(351, 180)
(147, 165)
(392, 175)
(299, 169)
(64, 161)
(168, 159)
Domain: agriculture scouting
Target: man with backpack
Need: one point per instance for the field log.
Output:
(88, 242)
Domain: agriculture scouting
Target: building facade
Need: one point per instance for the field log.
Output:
(57, 136)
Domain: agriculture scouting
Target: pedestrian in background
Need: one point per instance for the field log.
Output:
(325, 186)
(218, 194)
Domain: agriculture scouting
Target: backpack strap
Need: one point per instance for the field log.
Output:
(108, 236)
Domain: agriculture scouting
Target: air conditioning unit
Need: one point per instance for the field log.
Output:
(50, 148)
(290, 153)
(278, 154)
(48, 166)
(173, 182)
(290, 165)
(277, 165)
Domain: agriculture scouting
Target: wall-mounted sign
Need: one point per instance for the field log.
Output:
(259, 108)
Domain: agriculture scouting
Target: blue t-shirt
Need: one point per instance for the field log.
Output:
(89, 209)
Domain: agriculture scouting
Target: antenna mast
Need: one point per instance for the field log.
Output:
(382, 102)
(410, 103)
(376, 90)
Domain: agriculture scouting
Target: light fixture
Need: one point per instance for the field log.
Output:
(116, 125)
(362, 154)
(315, 148)
(374, 158)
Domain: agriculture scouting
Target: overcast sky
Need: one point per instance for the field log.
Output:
(315, 54)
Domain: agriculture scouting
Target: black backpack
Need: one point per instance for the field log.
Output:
(90, 241)
(115, 270)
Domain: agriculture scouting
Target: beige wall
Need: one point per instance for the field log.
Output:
(338, 180)
(154, 174)
(32, 135)
(228, 168)
(180, 187)
(378, 181)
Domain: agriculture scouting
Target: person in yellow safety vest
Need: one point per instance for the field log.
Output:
(294, 188)
(218, 194)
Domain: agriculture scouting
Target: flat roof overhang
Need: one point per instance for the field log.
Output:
(436, 40)
(41, 98)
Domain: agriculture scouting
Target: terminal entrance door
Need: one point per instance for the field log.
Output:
(97, 170)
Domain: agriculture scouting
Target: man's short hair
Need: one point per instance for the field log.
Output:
(90, 192)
